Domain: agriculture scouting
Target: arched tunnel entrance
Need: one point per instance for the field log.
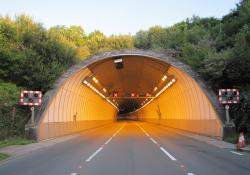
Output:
(144, 85)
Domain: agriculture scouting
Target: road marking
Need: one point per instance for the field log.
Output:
(168, 154)
(97, 151)
(94, 154)
(108, 140)
(153, 140)
(163, 149)
(74, 174)
(234, 152)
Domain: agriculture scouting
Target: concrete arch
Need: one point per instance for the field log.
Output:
(71, 106)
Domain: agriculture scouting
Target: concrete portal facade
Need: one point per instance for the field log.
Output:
(77, 103)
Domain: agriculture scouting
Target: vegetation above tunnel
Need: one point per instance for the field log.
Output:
(33, 57)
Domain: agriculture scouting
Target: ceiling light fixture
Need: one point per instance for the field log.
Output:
(144, 103)
(164, 78)
(99, 93)
(118, 63)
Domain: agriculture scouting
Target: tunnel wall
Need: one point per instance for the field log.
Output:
(73, 108)
(183, 106)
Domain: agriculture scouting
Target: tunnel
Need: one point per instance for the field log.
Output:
(142, 85)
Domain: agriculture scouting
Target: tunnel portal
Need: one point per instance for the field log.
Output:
(146, 85)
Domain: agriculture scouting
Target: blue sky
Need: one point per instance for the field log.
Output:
(115, 16)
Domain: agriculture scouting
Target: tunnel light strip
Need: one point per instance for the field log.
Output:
(99, 93)
(169, 84)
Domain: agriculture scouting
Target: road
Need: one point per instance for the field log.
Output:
(129, 148)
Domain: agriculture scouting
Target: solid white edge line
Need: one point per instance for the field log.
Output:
(94, 154)
(234, 152)
(168, 154)
(153, 140)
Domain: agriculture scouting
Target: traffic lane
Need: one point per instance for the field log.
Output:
(197, 156)
(131, 152)
(62, 158)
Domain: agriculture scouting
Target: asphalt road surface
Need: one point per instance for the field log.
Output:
(129, 148)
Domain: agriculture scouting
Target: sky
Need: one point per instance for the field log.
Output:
(115, 16)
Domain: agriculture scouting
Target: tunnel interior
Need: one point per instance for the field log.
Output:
(130, 81)
(131, 85)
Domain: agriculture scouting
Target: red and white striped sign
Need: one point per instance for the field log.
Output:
(229, 96)
(31, 98)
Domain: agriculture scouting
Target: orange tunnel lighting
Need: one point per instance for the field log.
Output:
(175, 96)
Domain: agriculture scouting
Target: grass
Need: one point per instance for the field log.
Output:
(234, 138)
(3, 156)
(15, 141)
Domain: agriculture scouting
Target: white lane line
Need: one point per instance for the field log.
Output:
(97, 151)
(190, 174)
(94, 154)
(153, 140)
(108, 140)
(74, 174)
(234, 152)
(168, 154)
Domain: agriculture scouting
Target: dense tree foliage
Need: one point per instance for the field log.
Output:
(12, 116)
(33, 57)
(219, 49)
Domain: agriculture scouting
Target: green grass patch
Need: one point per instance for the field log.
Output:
(15, 141)
(235, 137)
(3, 156)
(232, 138)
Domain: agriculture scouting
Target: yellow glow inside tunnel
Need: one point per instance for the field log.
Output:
(183, 106)
(74, 106)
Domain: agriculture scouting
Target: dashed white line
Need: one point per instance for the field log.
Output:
(108, 140)
(153, 140)
(234, 152)
(168, 154)
(190, 173)
(99, 149)
(94, 154)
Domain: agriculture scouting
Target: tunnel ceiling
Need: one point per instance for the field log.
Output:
(137, 76)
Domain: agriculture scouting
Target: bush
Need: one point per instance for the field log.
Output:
(12, 116)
